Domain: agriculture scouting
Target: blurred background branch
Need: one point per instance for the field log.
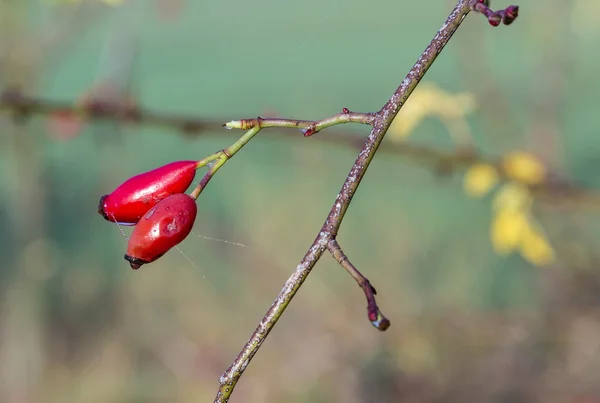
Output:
(551, 186)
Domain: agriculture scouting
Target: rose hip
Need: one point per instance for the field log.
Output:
(160, 229)
(134, 197)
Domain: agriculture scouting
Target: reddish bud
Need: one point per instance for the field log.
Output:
(495, 19)
(134, 197)
(308, 132)
(510, 14)
(162, 227)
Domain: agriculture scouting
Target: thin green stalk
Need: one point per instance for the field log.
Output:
(242, 141)
(207, 160)
(217, 160)
(308, 127)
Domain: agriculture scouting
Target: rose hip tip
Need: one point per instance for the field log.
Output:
(134, 262)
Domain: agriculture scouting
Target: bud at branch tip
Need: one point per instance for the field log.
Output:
(506, 16)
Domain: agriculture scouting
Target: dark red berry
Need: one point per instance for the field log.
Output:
(134, 197)
(162, 227)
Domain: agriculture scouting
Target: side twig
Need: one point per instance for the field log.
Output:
(375, 316)
(308, 127)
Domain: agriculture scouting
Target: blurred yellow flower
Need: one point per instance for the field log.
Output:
(454, 106)
(507, 229)
(524, 167)
(514, 229)
(513, 196)
(113, 3)
(480, 179)
(534, 247)
(430, 100)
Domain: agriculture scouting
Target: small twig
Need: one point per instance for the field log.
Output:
(308, 127)
(374, 313)
(217, 160)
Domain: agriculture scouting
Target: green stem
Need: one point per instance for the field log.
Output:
(217, 160)
(308, 127)
(242, 141)
(207, 160)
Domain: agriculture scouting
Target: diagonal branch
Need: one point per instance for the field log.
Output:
(380, 124)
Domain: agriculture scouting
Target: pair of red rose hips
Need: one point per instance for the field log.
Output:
(155, 203)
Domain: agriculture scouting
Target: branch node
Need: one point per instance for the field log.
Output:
(21, 104)
(244, 124)
(312, 129)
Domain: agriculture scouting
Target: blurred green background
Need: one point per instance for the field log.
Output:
(77, 325)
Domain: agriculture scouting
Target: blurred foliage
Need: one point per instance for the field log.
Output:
(513, 227)
(468, 324)
(431, 101)
(480, 178)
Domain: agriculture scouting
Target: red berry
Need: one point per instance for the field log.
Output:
(164, 226)
(134, 197)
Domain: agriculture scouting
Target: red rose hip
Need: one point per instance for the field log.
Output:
(160, 229)
(134, 197)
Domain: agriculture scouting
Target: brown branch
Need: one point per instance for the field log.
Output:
(380, 124)
(23, 106)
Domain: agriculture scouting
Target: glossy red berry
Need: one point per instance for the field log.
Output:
(160, 229)
(134, 197)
